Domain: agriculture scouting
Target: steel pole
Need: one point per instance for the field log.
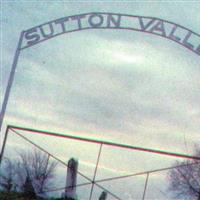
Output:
(10, 80)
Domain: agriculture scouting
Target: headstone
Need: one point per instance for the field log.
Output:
(70, 191)
(103, 196)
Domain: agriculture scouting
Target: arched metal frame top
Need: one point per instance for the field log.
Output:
(103, 20)
(100, 20)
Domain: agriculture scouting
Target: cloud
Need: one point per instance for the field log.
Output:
(120, 86)
(109, 86)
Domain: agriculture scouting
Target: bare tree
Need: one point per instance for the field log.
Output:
(184, 181)
(37, 166)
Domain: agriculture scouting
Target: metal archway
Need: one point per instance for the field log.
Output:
(100, 20)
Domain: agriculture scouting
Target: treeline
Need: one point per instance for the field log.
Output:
(29, 177)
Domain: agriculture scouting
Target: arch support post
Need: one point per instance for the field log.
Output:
(10, 80)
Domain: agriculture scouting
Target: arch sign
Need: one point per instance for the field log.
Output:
(98, 20)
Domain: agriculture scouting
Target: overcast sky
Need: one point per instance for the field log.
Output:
(117, 85)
